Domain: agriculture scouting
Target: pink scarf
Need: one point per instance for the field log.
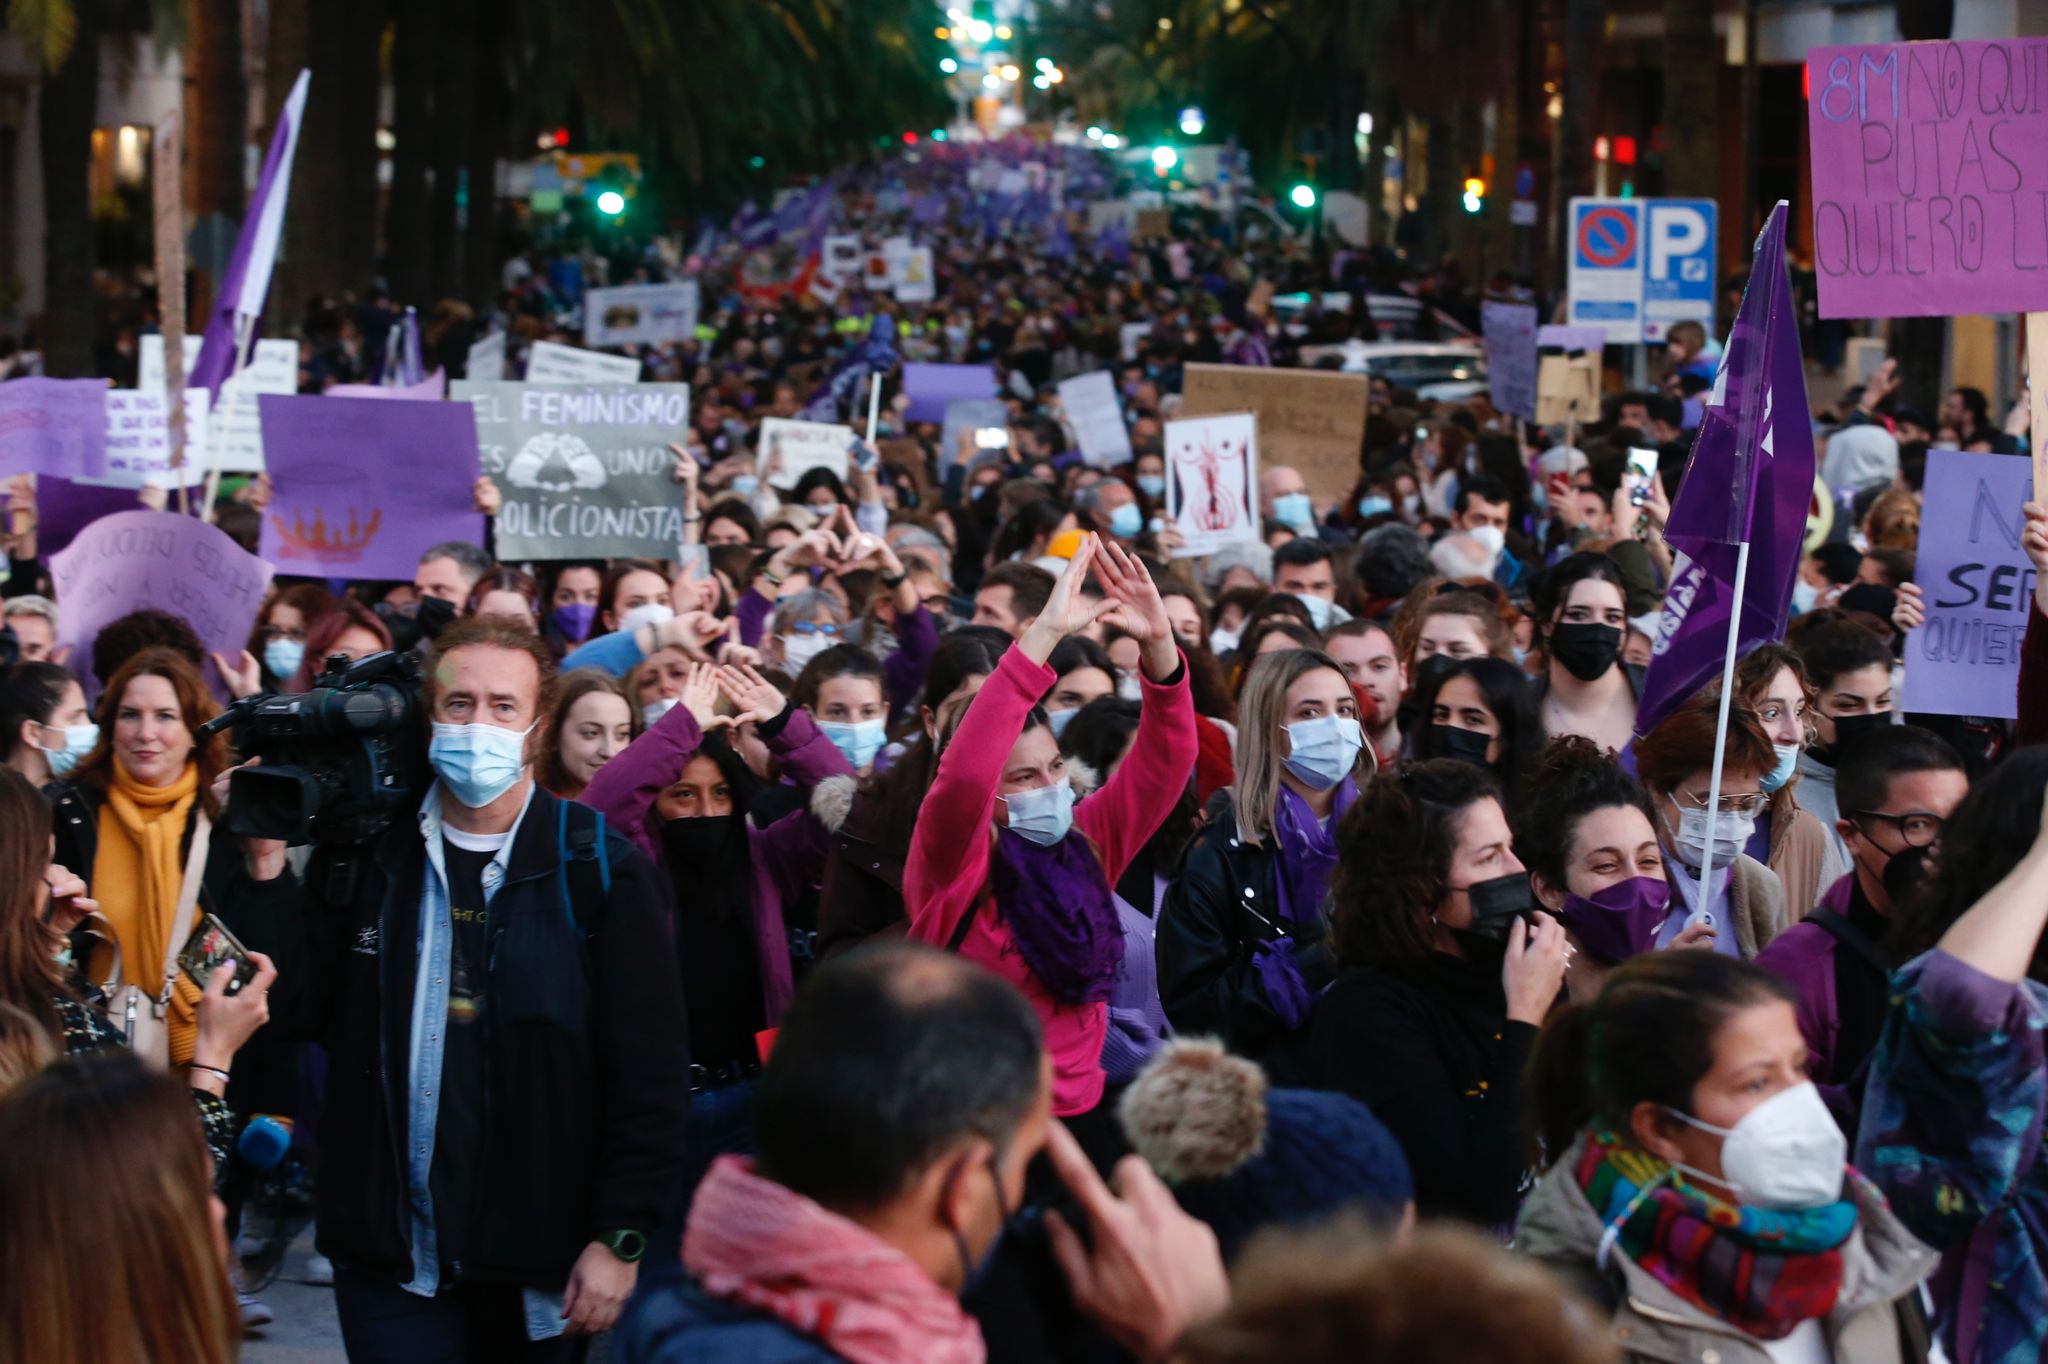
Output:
(752, 1241)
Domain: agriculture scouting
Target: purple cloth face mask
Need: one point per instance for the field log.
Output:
(574, 621)
(1619, 921)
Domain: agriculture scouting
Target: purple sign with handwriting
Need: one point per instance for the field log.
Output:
(363, 486)
(1979, 587)
(54, 426)
(931, 387)
(1930, 192)
(161, 560)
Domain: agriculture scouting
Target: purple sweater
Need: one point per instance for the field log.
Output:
(787, 855)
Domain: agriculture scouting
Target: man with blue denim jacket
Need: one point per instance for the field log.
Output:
(507, 1076)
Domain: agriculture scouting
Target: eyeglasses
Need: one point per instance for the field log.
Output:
(811, 627)
(1919, 828)
(1751, 803)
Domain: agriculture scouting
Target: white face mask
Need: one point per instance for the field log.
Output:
(1043, 814)
(1324, 750)
(1785, 1153)
(1493, 538)
(647, 613)
(1318, 610)
(1222, 641)
(1804, 595)
(1729, 833)
(797, 650)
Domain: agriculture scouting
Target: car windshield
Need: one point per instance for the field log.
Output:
(1413, 371)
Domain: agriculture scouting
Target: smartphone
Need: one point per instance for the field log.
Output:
(992, 438)
(860, 455)
(209, 946)
(1641, 472)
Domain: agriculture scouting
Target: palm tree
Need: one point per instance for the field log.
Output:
(64, 36)
(1692, 73)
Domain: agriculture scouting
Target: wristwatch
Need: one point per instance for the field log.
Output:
(629, 1246)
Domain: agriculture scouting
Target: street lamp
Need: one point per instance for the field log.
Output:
(1010, 73)
(1094, 133)
(1192, 122)
(1303, 196)
(1164, 159)
(948, 65)
(1112, 141)
(611, 203)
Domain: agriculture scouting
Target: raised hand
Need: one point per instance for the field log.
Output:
(752, 695)
(489, 500)
(693, 631)
(700, 696)
(1137, 610)
(2034, 540)
(245, 679)
(1910, 611)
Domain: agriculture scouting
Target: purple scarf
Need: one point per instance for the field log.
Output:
(1305, 852)
(1058, 904)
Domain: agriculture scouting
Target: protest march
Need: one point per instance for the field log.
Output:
(996, 754)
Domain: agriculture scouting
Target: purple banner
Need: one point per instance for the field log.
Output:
(931, 387)
(1767, 466)
(54, 426)
(362, 487)
(1930, 193)
(161, 560)
(65, 508)
(433, 388)
(1980, 587)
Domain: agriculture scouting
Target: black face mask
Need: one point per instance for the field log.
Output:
(435, 615)
(1903, 874)
(1466, 745)
(1496, 904)
(701, 846)
(1586, 649)
(1850, 728)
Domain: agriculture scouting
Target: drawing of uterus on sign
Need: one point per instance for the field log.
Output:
(1212, 472)
(334, 515)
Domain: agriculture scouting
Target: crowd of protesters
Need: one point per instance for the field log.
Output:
(928, 917)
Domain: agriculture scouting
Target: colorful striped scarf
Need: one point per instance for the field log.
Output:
(1761, 1271)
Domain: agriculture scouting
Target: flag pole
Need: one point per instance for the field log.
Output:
(874, 406)
(216, 448)
(1721, 723)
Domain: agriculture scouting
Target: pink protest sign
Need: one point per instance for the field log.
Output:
(1930, 189)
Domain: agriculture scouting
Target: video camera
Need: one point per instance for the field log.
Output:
(339, 761)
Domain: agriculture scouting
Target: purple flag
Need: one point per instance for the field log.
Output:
(54, 426)
(363, 486)
(1749, 478)
(239, 303)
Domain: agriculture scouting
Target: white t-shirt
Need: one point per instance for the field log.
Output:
(1807, 1344)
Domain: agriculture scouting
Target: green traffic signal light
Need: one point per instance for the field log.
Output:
(1303, 195)
(611, 203)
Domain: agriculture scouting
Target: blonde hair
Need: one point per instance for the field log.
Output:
(25, 1047)
(1261, 712)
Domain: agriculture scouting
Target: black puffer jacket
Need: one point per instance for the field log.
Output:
(1218, 911)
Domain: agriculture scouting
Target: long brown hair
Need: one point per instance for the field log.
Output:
(125, 1264)
(28, 966)
(574, 686)
(195, 704)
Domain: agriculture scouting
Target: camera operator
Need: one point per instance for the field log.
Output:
(507, 1069)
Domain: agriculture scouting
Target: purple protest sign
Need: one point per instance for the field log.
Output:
(362, 487)
(1930, 196)
(65, 508)
(1979, 583)
(931, 387)
(433, 388)
(54, 426)
(1511, 356)
(1563, 338)
(1767, 466)
(144, 559)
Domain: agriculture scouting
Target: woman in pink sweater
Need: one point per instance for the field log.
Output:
(1005, 868)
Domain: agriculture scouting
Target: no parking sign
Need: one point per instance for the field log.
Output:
(1639, 265)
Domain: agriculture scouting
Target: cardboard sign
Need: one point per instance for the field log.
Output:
(642, 314)
(918, 282)
(801, 447)
(1212, 482)
(1313, 420)
(548, 362)
(1151, 224)
(233, 425)
(362, 486)
(1097, 418)
(1567, 388)
(139, 437)
(1928, 179)
(144, 559)
(487, 359)
(1979, 587)
(54, 426)
(1511, 357)
(585, 470)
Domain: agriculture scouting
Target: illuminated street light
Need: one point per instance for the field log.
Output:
(1094, 133)
(1164, 159)
(1003, 32)
(942, 33)
(991, 81)
(611, 203)
(1055, 75)
(1043, 63)
(1010, 73)
(948, 65)
(1192, 122)
(1166, 25)
(1112, 141)
(1041, 82)
(981, 30)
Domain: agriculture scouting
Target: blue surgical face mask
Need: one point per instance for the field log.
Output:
(283, 657)
(1788, 763)
(858, 740)
(1126, 521)
(1043, 814)
(1152, 485)
(1295, 510)
(1325, 749)
(78, 741)
(1319, 609)
(655, 709)
(1060, 719)
(478, 763)
(1804, 595)
(745, 484)
(1374, 505)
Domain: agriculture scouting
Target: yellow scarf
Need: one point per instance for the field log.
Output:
(136, 878)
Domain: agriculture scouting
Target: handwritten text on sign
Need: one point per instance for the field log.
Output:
(1979, 586)
(1930, 184)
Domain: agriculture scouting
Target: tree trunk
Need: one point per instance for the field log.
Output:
(1574, 164)
(408, 240)
(1692, 68)
(479, 283)
(1918, 343)
(455, 131)
(216, 114)
(65, 111)
(361, 75)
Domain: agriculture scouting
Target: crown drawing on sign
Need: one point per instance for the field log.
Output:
(325, 544)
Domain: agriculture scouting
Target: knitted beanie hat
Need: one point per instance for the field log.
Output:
(1242, 1156)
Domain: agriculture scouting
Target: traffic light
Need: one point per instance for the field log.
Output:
(611, 203)
(1475, 194)
(1302, 196)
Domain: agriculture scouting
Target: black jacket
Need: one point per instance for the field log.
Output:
(1431, 1052)
(587, 1084)
(1221, 907)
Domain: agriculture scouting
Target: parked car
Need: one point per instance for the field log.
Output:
(1417, 365)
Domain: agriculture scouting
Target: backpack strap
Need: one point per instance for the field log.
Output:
(1851, 937)
(961, 930)
(583, 862)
